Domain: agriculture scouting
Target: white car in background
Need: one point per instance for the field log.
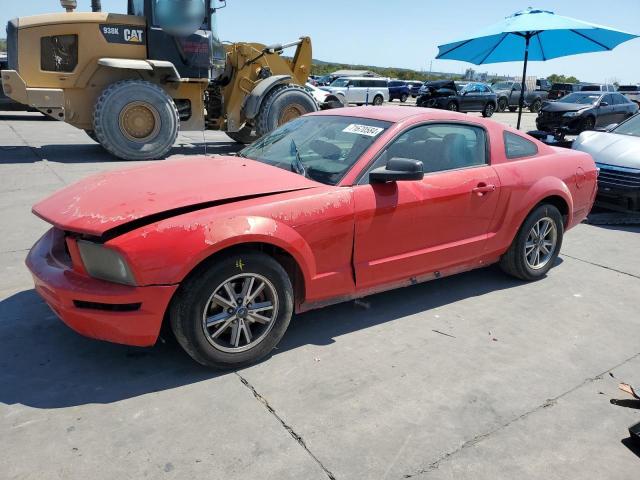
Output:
(360, 90)
(324, 99)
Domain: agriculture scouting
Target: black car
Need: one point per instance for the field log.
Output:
(559, 90)
(445, 94)
(581, 111)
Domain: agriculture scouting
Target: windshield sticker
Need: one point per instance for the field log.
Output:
(363, 130)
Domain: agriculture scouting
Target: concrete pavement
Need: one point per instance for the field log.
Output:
(474, 376)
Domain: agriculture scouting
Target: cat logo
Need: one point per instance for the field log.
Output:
(133, 36)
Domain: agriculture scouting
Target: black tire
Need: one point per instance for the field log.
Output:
(503, 104)
(377, 100)
(153, 140)
(513, 109)
(92, 135)
(280, 106)
(535, 106)
(588, 123)
(452, 106)
(244, 136)
(403, 97)
(514, 261)
(488, 109)
(187, 309)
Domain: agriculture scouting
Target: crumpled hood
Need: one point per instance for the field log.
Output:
(108, 200)
(610, 148)
(564, 107)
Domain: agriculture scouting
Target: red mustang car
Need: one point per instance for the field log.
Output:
(331, 206)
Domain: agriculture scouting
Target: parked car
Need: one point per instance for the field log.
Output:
(7, 103)
(473, 97)
(399, 89)
(509, 96)
(331, 206)
(559, 90)
(632, 92)
(597, 87)
(580, 111)
(543, 84)
(360, 90)
(415, 87)
(617, 155)
(324, 99)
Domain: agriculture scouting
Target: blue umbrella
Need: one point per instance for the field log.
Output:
(533, 35)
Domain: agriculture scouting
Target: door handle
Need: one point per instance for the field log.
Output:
(483, 188)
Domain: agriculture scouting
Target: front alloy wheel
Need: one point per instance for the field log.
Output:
(240, 312)
(232, 311)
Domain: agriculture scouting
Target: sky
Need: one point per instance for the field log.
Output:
(404, 33)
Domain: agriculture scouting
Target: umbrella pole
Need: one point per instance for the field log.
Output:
(524, 76)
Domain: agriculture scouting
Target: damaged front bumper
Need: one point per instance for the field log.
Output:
(95, 308)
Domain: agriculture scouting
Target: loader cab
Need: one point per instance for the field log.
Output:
(184, 33)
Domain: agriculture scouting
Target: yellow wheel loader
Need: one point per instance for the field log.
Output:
(133, 81)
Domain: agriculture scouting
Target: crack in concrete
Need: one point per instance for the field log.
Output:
(547, 403)
(297, 437)
(36, 153)
(601, 266)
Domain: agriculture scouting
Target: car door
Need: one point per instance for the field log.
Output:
(606, 111)
(414, 228)
(514, 96)
(621, 107)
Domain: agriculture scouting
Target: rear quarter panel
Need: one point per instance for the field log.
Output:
(525, 182)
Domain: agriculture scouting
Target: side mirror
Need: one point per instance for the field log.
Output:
(397, 170)
(606, 128)
(604, 104)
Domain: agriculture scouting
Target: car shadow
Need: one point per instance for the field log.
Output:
(43, 364)
(91, 152)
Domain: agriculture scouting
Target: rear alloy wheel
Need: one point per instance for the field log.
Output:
(536, 246)
(377, 100)
(535, 106)
(403, 97)
(235, 312)
(488, 110)
(453, 106)
(503, 104)
(283, 104)
(136, 120)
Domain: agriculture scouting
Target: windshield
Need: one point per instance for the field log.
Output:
(630, 127)
(501, 86)
(583, 98)
(340, 82)
(322, 148)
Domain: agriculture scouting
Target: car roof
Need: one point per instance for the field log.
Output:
(396, 114)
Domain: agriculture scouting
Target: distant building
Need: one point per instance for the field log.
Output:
(354, 73)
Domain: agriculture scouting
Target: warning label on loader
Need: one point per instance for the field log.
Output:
(127, 34)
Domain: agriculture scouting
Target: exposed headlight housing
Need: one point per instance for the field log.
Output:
(104, 263)
(571, 114)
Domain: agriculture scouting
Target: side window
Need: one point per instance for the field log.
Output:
(608, 99)
(356, 83)
(516, 87)
(439, 146)
(516, 146)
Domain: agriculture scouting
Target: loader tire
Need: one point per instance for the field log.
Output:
(283, 104)
(245, 135)
(136, 120)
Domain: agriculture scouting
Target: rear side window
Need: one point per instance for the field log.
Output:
(59, 53)
(516, 146)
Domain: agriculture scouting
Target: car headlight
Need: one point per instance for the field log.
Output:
(571, 114)
(104, 263)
